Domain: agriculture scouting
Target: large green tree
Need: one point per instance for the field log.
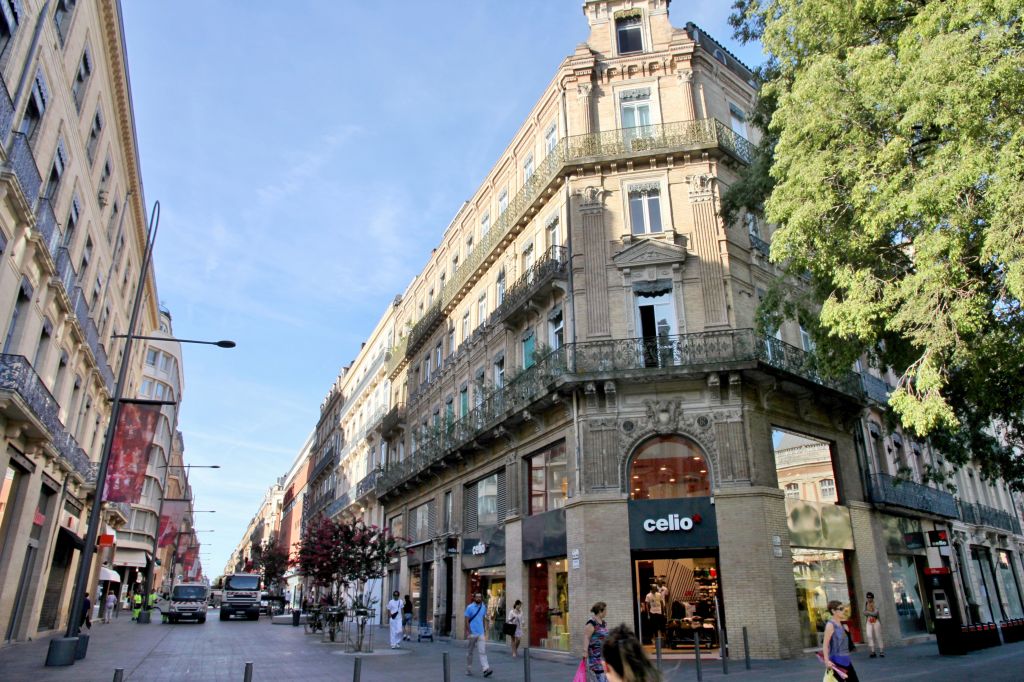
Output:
(893, 166)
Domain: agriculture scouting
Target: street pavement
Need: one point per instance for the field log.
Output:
(217, 651)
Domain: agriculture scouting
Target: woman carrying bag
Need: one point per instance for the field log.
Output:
(514, 626)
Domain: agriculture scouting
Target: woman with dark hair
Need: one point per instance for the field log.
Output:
(835, 646)
(595, 632)
(407, 619)
(514, 626)
(624, 658)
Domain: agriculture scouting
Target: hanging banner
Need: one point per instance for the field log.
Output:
(171, 521)
(129, 453)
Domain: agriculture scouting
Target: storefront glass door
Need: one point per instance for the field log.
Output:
(549, 604)
(1008, 572)
(820, 577)
(688, 588)
(991, 609)
(490, 583)
(906, 593)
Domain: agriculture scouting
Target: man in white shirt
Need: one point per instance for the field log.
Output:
(656, 610)
(395, 619)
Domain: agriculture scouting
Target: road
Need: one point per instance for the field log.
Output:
(217, 651)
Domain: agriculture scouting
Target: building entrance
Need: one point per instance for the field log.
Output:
(677, 595)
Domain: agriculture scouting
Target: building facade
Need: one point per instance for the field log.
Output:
(72, 234)
(582, 410)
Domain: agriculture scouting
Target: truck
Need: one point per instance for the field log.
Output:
(187, 601)
(240, 595)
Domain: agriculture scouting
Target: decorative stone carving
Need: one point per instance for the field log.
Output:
(592, 198)
(610, 394)
(701, 187)
(583, 90)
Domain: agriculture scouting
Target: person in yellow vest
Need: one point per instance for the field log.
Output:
(136, 606)
(151, 604)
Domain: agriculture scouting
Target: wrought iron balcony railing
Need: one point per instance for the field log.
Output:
(571, 151)
(553, 264)
(788, 358)
(393, 419)
(92, 336)
(17, 376)
(760, 245)
(23, 162)
(396, 356)
(326, 460)
(875, 389)
(982, 515)
(886, 489)
(6, 110)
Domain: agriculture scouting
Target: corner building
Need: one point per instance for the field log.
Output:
(581, 405)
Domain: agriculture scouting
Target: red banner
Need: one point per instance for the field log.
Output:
(171, 521)
(129, 453)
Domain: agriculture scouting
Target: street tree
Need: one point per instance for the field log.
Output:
(893, 168)
(271, 559)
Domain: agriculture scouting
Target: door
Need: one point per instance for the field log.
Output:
(656, 321)
(636, 121)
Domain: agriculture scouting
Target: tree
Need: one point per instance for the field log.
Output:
(893, 167)
(271, 559)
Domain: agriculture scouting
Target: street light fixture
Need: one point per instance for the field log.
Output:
(224, 343)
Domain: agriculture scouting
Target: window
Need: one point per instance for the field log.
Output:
(451, 341)
(556, 329)
(792, 491)
(635, 112)
(36, 106)
(81, 83)
(97, 291)
(469, 245)
(449, 413)
(827, 488)
(56, 172)
(737, 120)
(499, 372)
(86, 256)
(464, 401)
(146, 390)
(529, 348)
(72, 221)
(645, 208)
(667, 467)
(487, 501)
(396, 527)
(806, 342)
(438, 356)
(9, 19)
(465, 327)
(43, 347)
(551, 137)
(481, 309)
(152, 357)
(455, 263)
(549, 482)
(94, 136)
(419, 523)
(528, 168)
(629, 34)
(62, 18)
(551, 237)
(752, 226)
(500, 287)
(485, 224)
(502, 201)
(448, 511)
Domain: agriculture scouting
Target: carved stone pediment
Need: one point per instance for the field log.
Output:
(649, 252)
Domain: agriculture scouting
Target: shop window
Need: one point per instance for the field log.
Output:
(549, 604)
(668, 467)
(1011, 582)
(490, 583)
(804, 465)
(549, 483)
(907, 595)
(820, 577)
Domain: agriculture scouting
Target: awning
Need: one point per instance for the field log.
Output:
(72, 537)
(130, 557)
(107, 574)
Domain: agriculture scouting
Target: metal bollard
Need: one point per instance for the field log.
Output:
(746, 648)
(526, 664)
(357, 669)
(696, 653)
(657, 652)
(248, 672)
(118, 674)
(446, 667)
(723, 649)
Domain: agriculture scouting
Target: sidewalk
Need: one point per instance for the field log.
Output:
(218, 652)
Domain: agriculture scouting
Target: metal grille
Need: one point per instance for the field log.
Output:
(469, 514)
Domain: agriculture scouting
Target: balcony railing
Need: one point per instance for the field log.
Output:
(92, 336)
(390, 421)
(886, 489)
(6, 110)
(396, 357)
(17, 375)
(981, 515)
(701, 352)
(25, 169)
(553, 264)
(875, 389)
(571, 152)
(760, 245)
(322, 463)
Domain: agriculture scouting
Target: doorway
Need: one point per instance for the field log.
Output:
(656, 324)
(686, 587)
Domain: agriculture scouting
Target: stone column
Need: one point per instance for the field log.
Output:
(594, 250)
(706, 243)
(686, 85)
(583, 92)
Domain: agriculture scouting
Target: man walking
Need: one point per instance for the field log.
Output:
(476, 620)
(136, 606)
(108, 606)
(395, 619)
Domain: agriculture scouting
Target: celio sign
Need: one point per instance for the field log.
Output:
(672, 522)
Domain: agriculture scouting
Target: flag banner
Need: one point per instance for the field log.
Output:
(129, 453)
(171, 520)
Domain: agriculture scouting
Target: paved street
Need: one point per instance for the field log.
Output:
(218, 651)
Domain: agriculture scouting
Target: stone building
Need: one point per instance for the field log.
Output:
(72, 233)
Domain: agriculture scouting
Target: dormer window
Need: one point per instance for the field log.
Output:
(629, 33)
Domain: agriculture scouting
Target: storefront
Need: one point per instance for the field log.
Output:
(674, 551)
(1008, 571)
(483, 559)
(544, 551)
(905, 547)
(988, 602)
(420, 559)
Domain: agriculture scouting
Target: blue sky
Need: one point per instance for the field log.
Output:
(307, 156)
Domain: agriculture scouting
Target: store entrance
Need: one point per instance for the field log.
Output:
(686, 591)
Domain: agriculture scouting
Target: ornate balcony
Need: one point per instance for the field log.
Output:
(326, 460)
(981, 515)
(6, 110)
(890, 490)
(760, 245)
(396, 357)
(393, 420)
(24, 398)
(875, 389)
(534, 283)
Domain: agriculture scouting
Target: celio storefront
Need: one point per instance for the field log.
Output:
(673, 540)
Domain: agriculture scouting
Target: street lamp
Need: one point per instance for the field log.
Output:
(224, 343)
(63, 651)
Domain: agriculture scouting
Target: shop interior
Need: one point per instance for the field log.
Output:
(549, 604)
(690, 590)
(490, 583)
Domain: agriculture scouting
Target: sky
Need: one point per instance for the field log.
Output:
(307, 156)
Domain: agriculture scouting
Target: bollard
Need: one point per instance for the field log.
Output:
(357, 669)
(657, 651)
(248, 672)
(526, 664)
(696, 652)
(746, 648)
(118, 674)
(447, 667)
(723, 649)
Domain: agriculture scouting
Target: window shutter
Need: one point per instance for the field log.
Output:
(431, 519)
(469, 518)
(502, 497)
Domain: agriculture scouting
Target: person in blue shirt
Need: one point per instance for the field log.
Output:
(476, 626)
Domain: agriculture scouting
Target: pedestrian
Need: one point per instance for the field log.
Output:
(594, 634)
(835, 646)
(407, 619)
(151, 602)
(395, 619)
(476, 625)
(86, 613)
(624, 658)
(136, 606)
(656, 610)
(108, 606)
(874, 627)
(514, 626)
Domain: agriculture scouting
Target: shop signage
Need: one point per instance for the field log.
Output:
(544, 535)
(941, 570)
(671, 524)
(938, 538)
(486, 547)
(478, 548)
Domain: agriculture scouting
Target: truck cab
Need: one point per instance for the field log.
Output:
(240, 596)
(187, 601)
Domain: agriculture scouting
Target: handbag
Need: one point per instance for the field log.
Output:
(581, 672)
(829, 676)
(509, 629)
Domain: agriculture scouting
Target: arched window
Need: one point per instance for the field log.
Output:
(666, 467)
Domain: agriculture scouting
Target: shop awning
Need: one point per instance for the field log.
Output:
(107, 574)
(72, 537)
(130, 557)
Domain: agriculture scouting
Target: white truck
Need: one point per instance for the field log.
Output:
(240, 595)
(187, 601)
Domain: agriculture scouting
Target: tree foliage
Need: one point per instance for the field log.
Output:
(336, 554)
(894, 170)
(271, 559)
